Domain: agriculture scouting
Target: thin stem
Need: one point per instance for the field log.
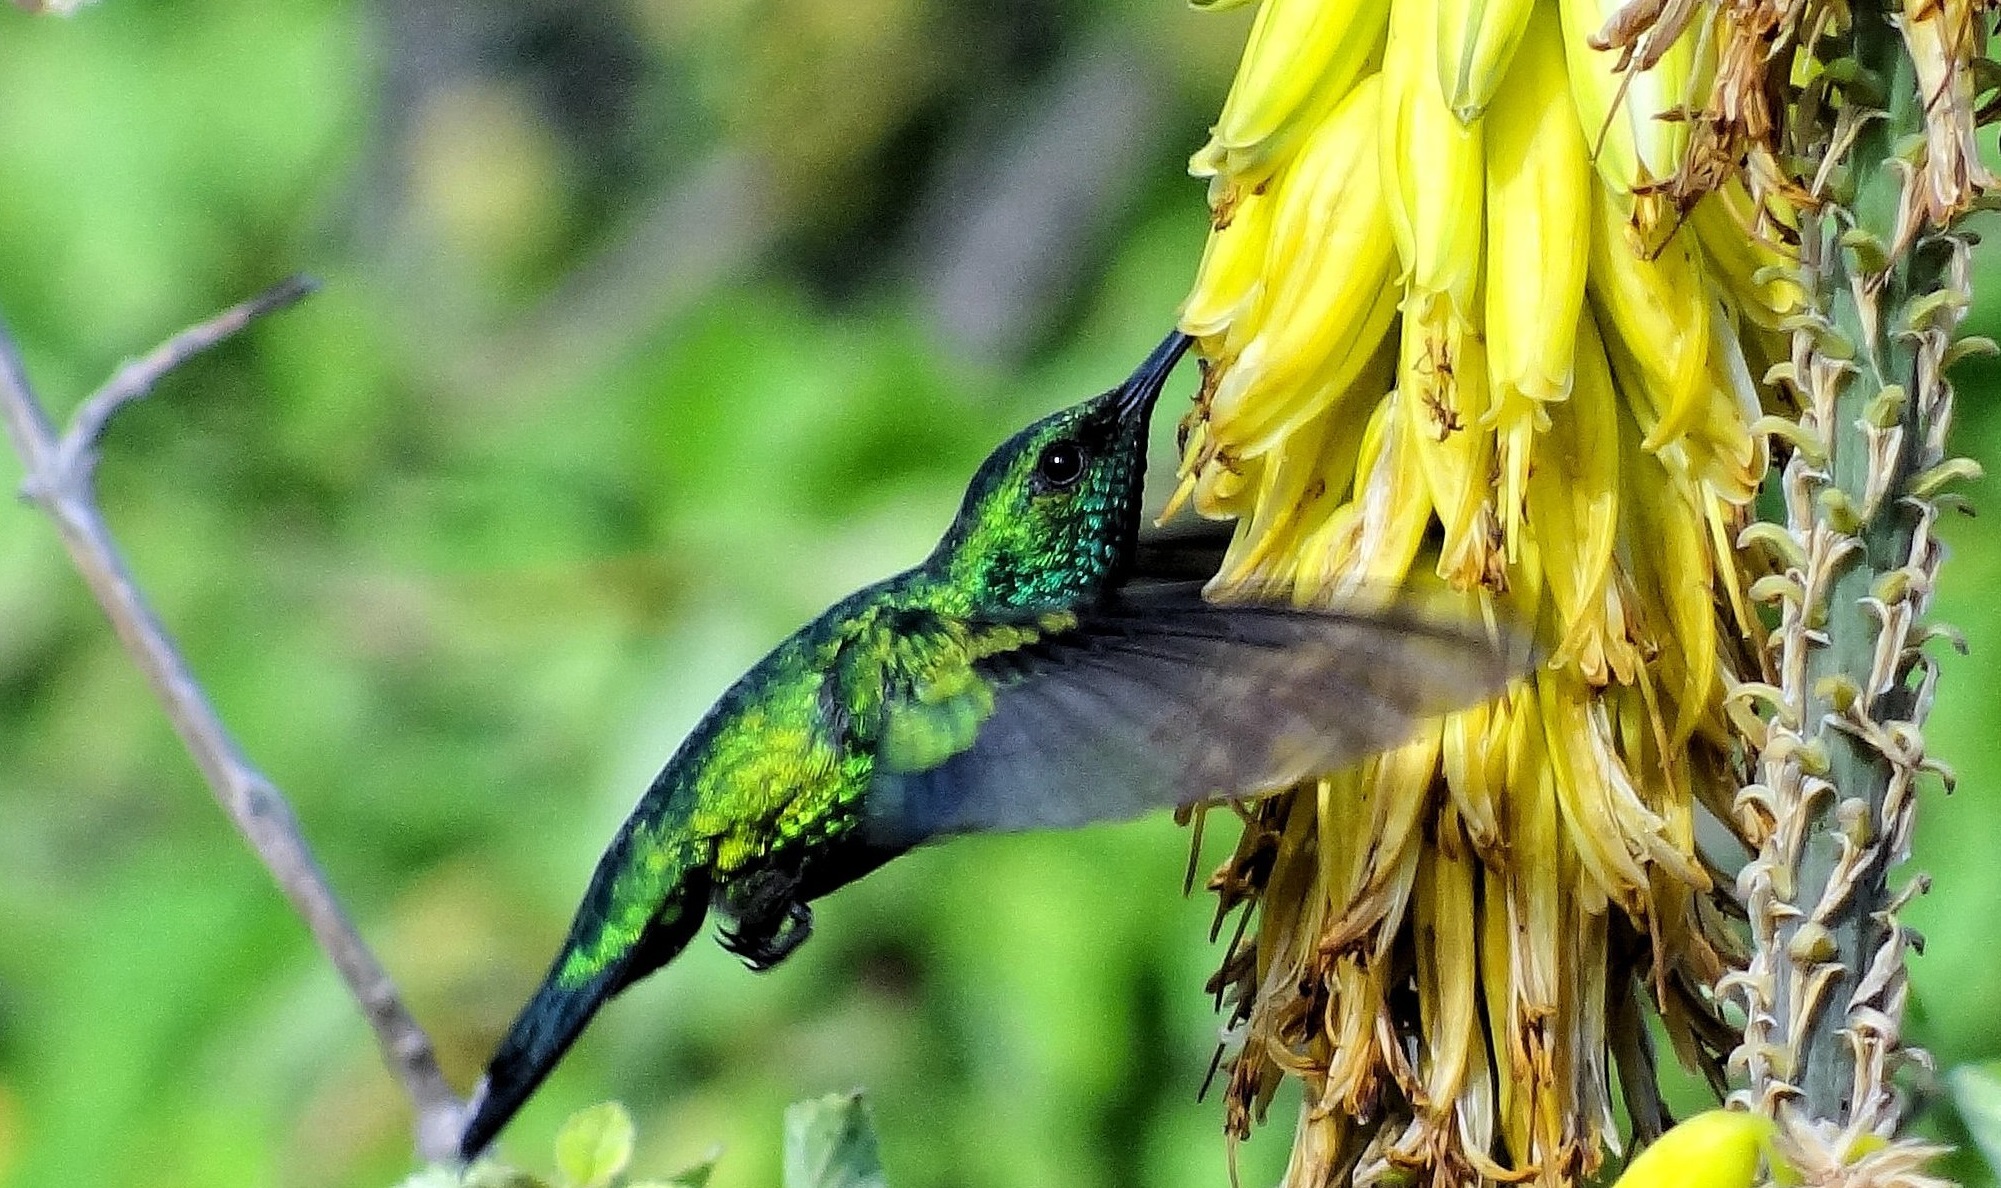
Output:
(76, 452)
(60, 480)
(1826, 987)
(1849, 881)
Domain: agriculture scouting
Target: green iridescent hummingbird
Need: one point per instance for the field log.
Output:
(1035, 671)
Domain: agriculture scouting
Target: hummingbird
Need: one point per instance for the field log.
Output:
(1036, 671)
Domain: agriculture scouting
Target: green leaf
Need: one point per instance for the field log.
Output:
(830, 1143)
(1976, 1090)
(490, 1174)
(693, 1177)
(594, 1146)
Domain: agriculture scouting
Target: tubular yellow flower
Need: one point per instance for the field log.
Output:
(1659, 307)
(1443, 394)
(1300, 60)
(1446, 350)
(1539, 201)
(1754, 274)
(1476, 41)
(1539, 208)
(1431, 165)
(1231, 275)
(1573, 499)
(1321, 304)
(1714, 1149)
(1433, 175)
(1620, 111)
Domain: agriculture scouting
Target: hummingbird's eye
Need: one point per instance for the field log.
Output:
(1061, 464)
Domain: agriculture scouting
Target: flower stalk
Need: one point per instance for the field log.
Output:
(1842, 748)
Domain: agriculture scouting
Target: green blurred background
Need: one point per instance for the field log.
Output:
(650, 328)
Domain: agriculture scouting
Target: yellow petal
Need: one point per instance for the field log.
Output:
(1539, 187)
(1447, 978)
(1573, 502)
(1301, 484)
(1366, 548)
(1716, 1149)
(1326, 301)
(1443, 376)
(1673, 577)
(1510, 1054)
(1431, 165)
(1657, 309)
(1477, 40)
(1620, 112)
(1591, 810)
(1738, 251)
(1473, 755)
(1302, 58)
(1231, 275)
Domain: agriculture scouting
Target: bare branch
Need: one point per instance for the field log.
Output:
(59, 479)
(76, 453)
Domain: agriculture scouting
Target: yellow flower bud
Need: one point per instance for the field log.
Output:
(1716, 1149)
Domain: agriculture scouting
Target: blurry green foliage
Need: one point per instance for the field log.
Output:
(464, 544)
(594, 1146)
(830, 1143)
(593, 1149)
(1976, 1092)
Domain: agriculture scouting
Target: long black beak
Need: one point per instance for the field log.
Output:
(1137, 395)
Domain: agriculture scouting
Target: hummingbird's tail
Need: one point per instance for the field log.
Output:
(563, 1005)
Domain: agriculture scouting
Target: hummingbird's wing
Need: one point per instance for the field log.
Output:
(1165, 699)
(1188, 550)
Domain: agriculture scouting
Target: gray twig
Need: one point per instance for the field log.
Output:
(60, 480)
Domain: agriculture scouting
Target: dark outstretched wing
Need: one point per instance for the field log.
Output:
(1187, 550)
(1167, 700)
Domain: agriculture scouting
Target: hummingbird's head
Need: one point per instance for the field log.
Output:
(1051, 516)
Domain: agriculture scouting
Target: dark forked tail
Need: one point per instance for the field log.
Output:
(563, 1005)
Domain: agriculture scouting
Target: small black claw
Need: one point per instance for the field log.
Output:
(761, 949)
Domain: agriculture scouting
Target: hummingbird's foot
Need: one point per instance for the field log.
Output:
(761, 944)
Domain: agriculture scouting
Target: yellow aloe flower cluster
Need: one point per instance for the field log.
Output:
(1461, 332)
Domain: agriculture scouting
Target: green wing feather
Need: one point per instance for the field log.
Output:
(939, 693)
(1164, 699)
